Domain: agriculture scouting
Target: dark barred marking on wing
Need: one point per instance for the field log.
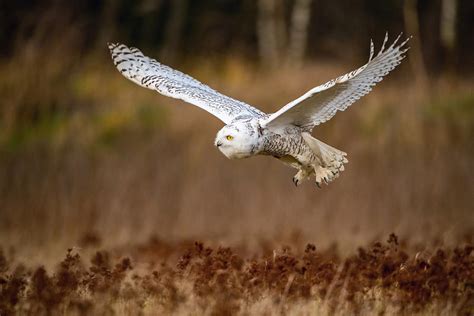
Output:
(321, 103)
(151, 74)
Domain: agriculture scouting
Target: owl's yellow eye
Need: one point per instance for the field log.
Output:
(229, 137)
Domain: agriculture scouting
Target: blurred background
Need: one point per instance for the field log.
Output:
(85, 152)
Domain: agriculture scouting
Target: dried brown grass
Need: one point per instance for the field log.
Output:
(148, 279)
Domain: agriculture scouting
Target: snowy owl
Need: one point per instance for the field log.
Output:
(284, 134)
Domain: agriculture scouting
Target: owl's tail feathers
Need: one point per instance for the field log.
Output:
(332, 159)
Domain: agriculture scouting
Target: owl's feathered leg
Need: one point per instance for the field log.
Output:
(303, 172)
(330, 160)
(301, 175)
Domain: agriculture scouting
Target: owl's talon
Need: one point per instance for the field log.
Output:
(295, 181)
(319, 186)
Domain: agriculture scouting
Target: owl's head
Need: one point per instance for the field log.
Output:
(238, 140)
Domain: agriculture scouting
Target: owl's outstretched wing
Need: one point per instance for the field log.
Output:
(321, 103)
(149, 73)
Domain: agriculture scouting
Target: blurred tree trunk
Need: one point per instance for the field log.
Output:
(299, 32)
(448, 30)
(412, 26)
(149, 10)
(108, 28)
(280, 28)
(174, 29)
(268, 39)
(275, 45)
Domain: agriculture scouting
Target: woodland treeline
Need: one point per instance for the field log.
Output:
(270, 32)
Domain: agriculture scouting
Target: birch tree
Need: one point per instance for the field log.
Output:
(299, 32)
(277, 45)
(412, 26)
(448, 32)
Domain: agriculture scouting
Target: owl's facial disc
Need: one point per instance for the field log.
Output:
(235, 141)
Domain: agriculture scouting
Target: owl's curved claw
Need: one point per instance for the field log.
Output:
(319, 186)
(295, 181)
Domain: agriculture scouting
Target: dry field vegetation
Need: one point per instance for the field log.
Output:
(157, 278)
(131, 184)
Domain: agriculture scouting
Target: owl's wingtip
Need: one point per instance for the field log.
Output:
(114, 46)
(111, 45)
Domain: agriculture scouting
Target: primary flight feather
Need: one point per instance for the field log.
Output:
(284, 134)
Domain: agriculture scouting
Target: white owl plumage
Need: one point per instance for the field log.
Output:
(284, 134)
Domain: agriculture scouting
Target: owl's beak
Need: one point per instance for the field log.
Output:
(219, 143)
